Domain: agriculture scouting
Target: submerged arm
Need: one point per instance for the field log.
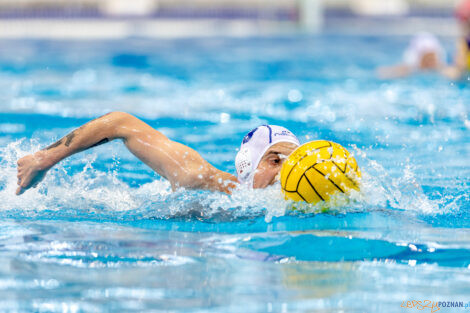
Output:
(181, 165)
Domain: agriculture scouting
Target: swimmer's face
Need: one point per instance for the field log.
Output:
(429, 61)
(270, 165)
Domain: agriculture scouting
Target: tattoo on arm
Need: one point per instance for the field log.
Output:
(68, 141)
(69, 138)
(102, 141)
(56, 144)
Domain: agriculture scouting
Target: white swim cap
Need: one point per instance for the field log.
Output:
(421, 44)
(254, 146)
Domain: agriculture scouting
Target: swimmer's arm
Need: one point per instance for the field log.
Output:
(181, 165)
(457, 70)
(393, 72)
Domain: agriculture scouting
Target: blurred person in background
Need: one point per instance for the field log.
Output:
(461, 64)
(423, 54)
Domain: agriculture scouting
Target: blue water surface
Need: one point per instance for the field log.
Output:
(103, 233)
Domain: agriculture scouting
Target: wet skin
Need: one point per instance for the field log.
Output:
(179, 164)
(429, 61)
(271, 163)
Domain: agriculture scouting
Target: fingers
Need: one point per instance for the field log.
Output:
(19, 191)
(23, 184)
(21, 188)
(25, 176)
(19, 174)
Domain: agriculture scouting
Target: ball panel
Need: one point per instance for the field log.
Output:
(314, 145)
(299, 162)
(353, 177)
(305, 150)
(339, 157)
(323, 185)
(317, 170)
(292, 180)
(307, 191)
(336, 176)
(352, 172)
(321, 154)
(349, 168)
(293, 195)
(353, 166)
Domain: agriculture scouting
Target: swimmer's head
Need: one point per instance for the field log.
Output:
(429, 61)
(424, 52)
(262, 152)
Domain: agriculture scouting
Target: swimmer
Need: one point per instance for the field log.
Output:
(423, 54)
(461, 64)
(258, 161)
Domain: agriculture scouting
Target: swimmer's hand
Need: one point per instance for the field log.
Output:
(181, 165)
(31, 171)
(452, 72)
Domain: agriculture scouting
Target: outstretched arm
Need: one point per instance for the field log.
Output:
(394, 71)
(181, 165)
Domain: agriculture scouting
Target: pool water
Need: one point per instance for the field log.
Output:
(103, 233)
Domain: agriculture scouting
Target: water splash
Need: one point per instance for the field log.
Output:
(94, 193)
(380, 189)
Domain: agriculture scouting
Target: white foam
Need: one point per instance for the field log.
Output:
(93, 191)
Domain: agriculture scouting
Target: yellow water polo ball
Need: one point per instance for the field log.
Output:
(317, 170)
